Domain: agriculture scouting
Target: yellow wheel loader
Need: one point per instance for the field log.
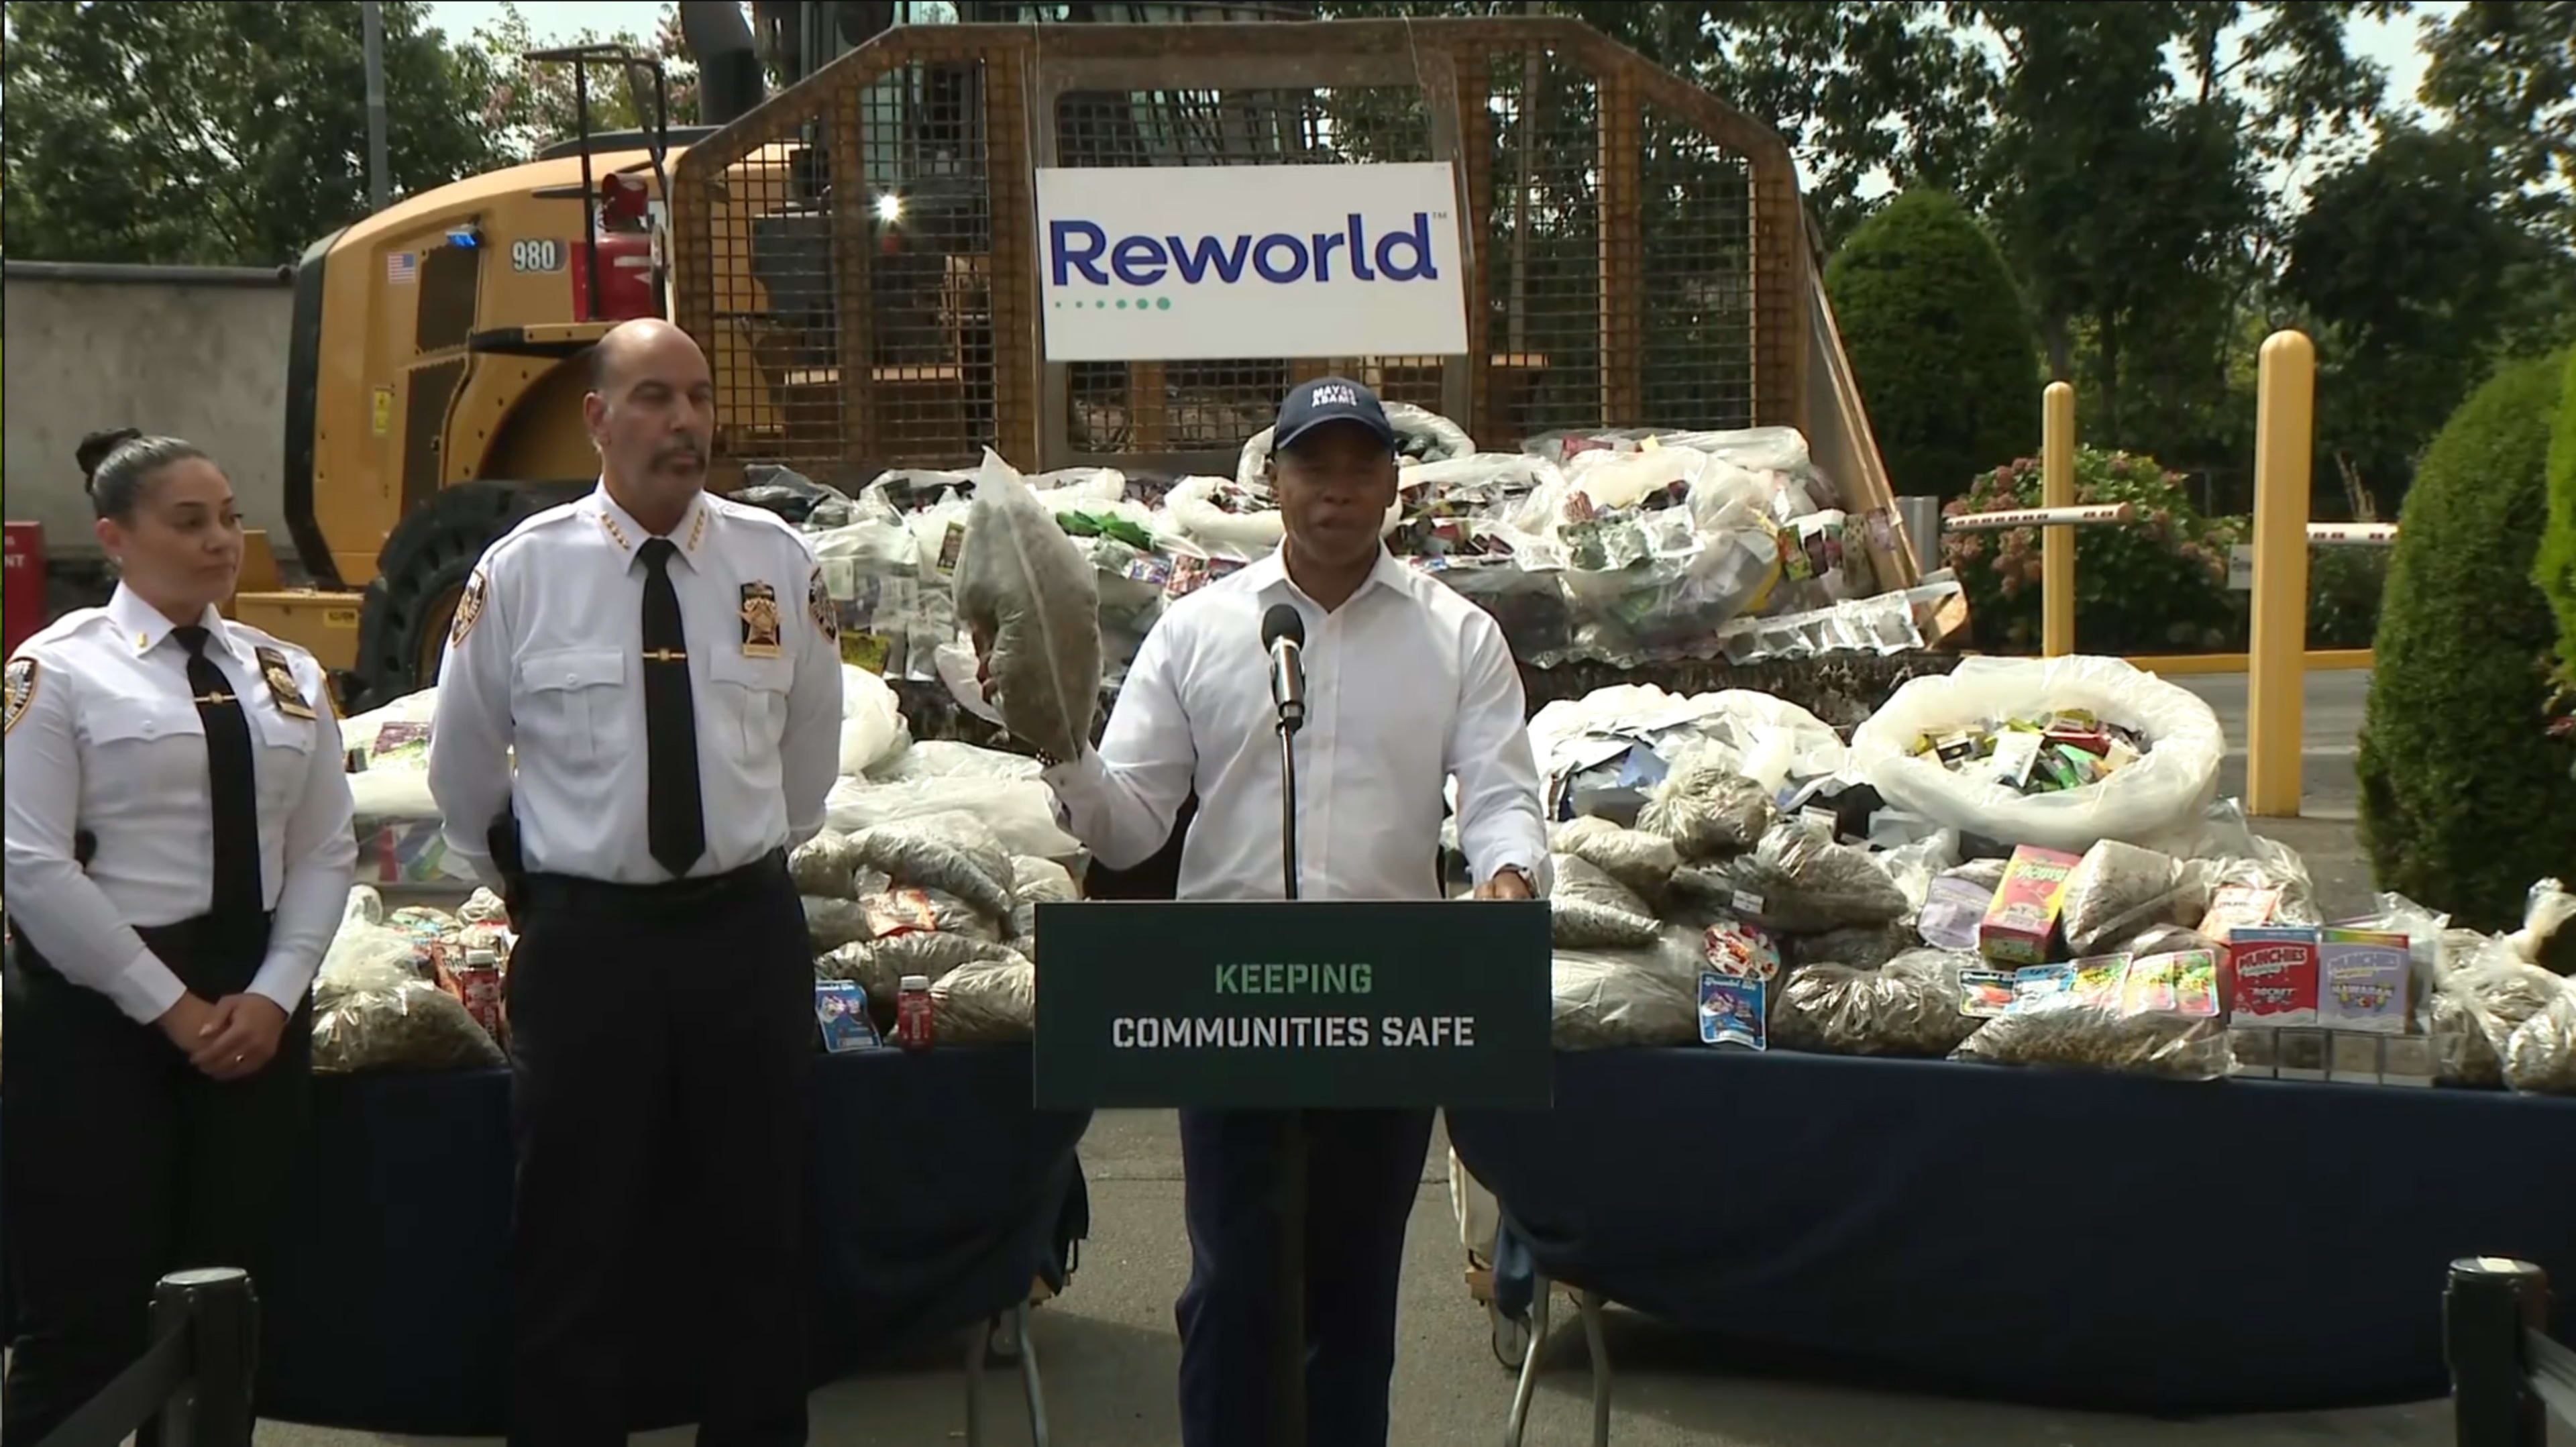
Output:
(857, 253)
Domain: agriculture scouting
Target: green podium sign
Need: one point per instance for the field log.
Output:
(1294, 1004)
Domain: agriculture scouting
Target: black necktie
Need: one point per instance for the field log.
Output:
(230, 779)
(675, 820)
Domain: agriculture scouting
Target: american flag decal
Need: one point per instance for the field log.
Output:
(402, 268)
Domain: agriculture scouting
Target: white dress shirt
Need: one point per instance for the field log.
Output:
(104, 736)
(546, 661)
(1407, 685)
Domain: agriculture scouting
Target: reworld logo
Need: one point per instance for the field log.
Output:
(1280, 258)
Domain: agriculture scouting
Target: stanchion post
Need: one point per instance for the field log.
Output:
(219, 1311)
(2489, 1305)
(2057, 544)
(2277, 659)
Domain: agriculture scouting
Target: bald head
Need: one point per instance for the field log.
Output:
(644, 336)
(651, 412)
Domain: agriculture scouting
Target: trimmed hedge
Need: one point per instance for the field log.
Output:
(2464, 799)
(1939, 343)
(2556, 573)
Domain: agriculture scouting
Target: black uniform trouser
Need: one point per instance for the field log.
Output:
(1363, 1172)
(636, 1014)
(122, 1162)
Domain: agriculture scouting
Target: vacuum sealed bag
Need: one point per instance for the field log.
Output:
(1022, 584)
(953, 852)
(1037, 881)
(1910, 1006)
(880, 965)
(2140, 1015)
(823, 866)
(1797, 880)
(1707, 808)
(988, 1002)
(374, 1010)
(1591, 910)
(2540, 1058)
(2119, 890)
(1647, 995)
(1641, 861)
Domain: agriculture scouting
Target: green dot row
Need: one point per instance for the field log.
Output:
(1160, 303)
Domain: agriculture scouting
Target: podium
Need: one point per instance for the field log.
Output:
(1294, 1005)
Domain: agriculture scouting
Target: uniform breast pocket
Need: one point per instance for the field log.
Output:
(751, 697)
(149, 746)
(285, 757)
(575, 700)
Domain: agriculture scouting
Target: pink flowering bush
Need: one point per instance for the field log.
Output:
(2157, 584)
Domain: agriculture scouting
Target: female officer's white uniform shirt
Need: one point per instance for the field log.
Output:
(104, 736)
(544, 668)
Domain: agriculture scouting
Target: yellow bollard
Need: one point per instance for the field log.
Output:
(2276, 666)
(2057, 544)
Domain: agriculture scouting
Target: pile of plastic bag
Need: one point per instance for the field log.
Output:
(933, 860)
(1618, 547)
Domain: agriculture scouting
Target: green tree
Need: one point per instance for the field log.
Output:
(2408, 265)
(2505, 73)
(2128, 197)
(533, 103)
(1938, 342)
(219, 131)
(2464, 799)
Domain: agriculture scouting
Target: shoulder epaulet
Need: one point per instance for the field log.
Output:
(70, 625)
(727, 507)
(531, 525)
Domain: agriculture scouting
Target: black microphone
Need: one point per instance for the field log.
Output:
(1283, 637)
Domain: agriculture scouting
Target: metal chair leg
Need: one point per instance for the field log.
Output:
(1029, 1379)
(1541, 1289)
(1598, 1346)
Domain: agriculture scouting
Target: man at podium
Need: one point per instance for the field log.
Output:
(1406, 685)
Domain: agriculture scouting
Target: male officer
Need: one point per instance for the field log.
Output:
(1408, 685)
(665, 665)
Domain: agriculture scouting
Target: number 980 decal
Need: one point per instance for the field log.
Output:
(526, 255)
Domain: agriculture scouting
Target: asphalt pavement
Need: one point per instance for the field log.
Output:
(1107, 1349)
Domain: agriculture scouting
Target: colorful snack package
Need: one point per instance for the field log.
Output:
(2022, 917)
(2364, 980)
(2276, 975)
(1731, 1011)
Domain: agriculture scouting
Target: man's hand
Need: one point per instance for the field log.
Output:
(185, 1024)
(239, 1037)
(983, 644)
(1506, 884)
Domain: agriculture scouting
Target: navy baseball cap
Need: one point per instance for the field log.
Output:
(1327, 400)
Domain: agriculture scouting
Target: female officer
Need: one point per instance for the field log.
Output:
(179, 856)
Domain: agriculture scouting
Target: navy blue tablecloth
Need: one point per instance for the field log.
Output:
(940, 1196)
(2080, 1240)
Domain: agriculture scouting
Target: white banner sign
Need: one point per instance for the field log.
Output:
(1175, 263)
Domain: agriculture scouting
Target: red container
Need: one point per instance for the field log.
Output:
(22, 604)
(625, 278)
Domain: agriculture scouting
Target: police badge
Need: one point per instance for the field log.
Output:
(759, 621)
(282, 687)
(469, 607)
(818, 601)
(22, 690)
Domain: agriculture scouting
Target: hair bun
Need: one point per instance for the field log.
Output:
(97, 446)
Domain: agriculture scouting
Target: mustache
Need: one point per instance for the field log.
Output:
(693, 451)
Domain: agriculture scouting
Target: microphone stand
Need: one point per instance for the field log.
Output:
(1289, 1290)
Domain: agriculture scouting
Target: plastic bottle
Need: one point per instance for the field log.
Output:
(915, 1024)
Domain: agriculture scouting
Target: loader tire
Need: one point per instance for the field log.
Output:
(402, 626)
